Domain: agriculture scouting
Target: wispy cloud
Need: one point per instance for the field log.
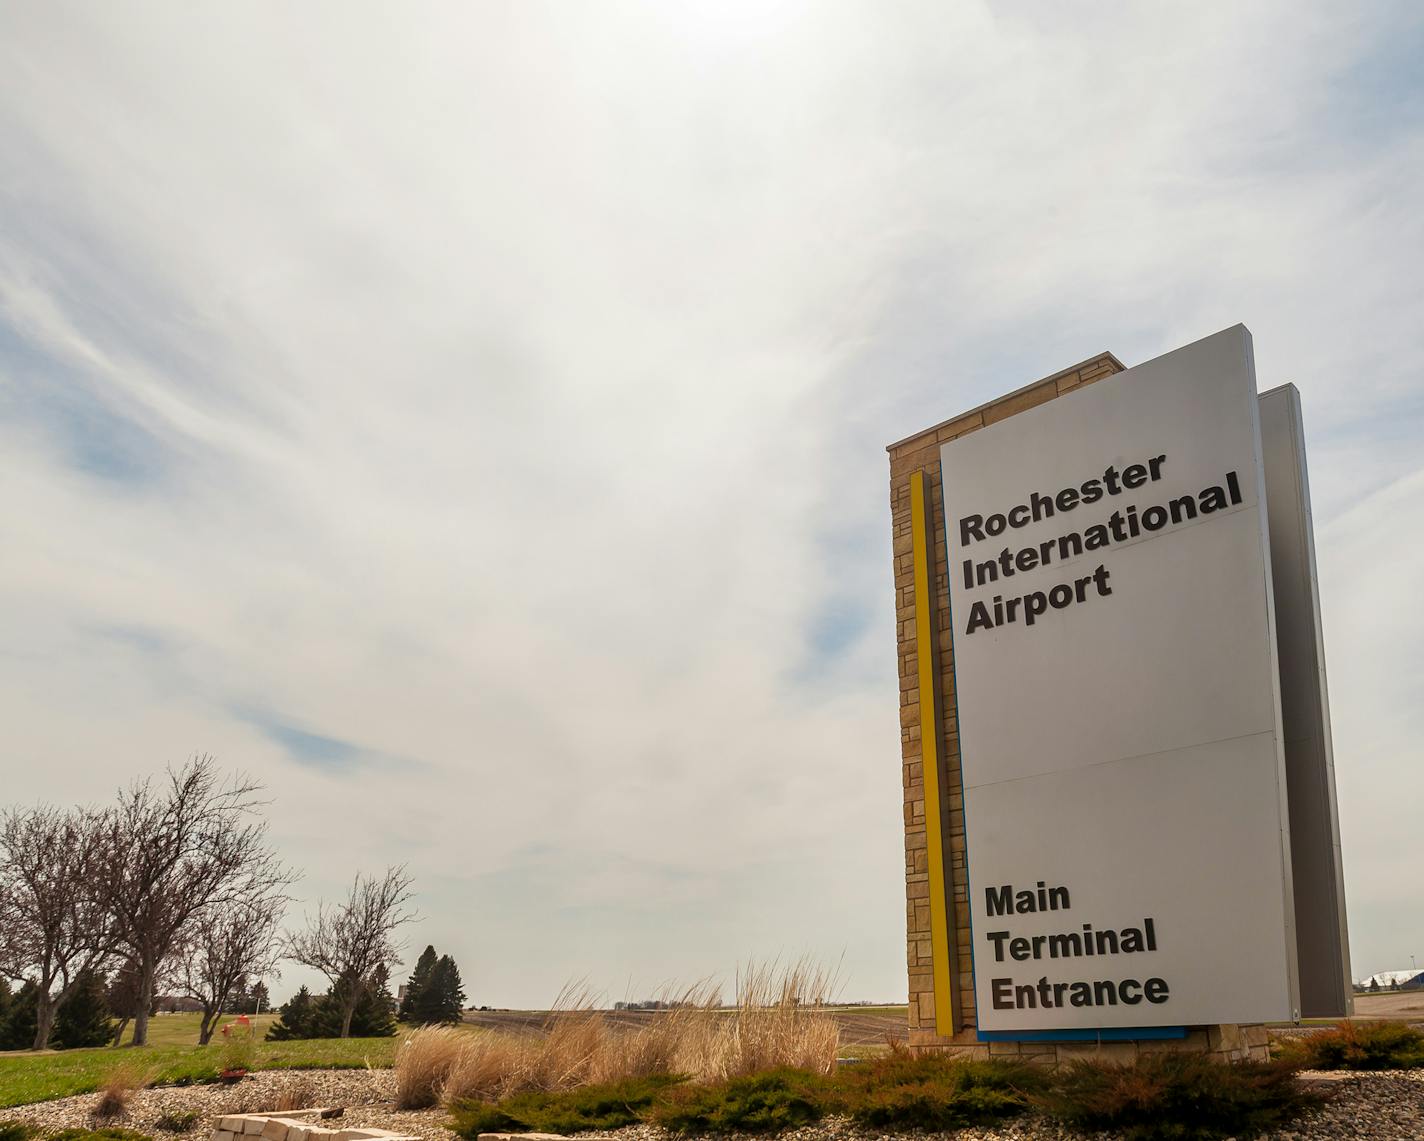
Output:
(494, 398)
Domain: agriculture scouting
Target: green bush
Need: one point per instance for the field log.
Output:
(1358, 1046)
(305, 1015)
(177, 1121)
(933, 1092)
(1165, 1097)
(17, 1131)
(1161, 1097)
(767, 1102)
(17, 1031)
(601, 1107)
(84, 1021)
(110, 1133)
(238, 1047)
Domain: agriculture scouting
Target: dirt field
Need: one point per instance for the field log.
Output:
(1406, 1005)
(860, 1026)
(877, 1025)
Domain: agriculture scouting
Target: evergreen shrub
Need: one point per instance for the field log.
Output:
(21, 1018)
(1358, 1046)
(1167, 1097)
(1160, 1097)
(935, 1092)
(602, 1107)
(84, 1020)
(177, 1120)
(768, 1102)
(305, 1015)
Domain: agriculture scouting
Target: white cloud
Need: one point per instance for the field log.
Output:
(501, 391)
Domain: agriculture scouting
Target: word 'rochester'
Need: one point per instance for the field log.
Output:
(1122, 526)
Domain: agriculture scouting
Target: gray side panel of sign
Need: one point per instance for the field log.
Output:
(1322, 938)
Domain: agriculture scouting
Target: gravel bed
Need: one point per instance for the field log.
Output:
(366, 1096)
(1382, 1106)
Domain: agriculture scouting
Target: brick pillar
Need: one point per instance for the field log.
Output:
(920, 453)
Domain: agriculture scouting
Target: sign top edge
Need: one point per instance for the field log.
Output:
(1054, 376)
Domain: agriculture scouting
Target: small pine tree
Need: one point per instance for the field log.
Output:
(7, 1004)
(260, 999)
(297, 1019)
(308, 1016)
(375, 1015)
(442, 998)
(22, 1019)
(239, 1000)
(84, 1020)
(424, 968)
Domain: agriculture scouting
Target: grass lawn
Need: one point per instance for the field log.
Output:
(182, 1029)
(859, 1051)
(171, 1055)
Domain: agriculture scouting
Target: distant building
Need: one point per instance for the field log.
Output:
(177, 1004)
(1393, 980)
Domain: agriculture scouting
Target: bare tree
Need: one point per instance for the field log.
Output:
(124, 987)
(54, 917)
(193, 845)
(348, 941)
(223, 946)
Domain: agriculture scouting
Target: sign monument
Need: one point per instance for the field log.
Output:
(1120, 817)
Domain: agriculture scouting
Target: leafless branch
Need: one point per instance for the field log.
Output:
(55, 921)
(194, 845)
(223, 946)
(348, 941)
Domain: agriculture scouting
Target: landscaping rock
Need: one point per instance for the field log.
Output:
(299, 1125)
(522, 1137)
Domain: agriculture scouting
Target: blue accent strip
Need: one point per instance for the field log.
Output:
(1107, 1034)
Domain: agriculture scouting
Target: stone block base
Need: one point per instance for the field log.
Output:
(295, 1125)
(1229, 1042)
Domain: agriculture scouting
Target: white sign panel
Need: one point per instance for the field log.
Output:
(1118, 707)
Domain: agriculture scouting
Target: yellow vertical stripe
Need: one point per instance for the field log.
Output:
(926, 652)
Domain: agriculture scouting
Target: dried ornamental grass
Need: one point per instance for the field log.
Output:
(119, 1086)
(424, 1062)
(297, 1095)
(669, 1042)
(778, 1020)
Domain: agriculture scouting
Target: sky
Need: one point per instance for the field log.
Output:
(469, 420)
